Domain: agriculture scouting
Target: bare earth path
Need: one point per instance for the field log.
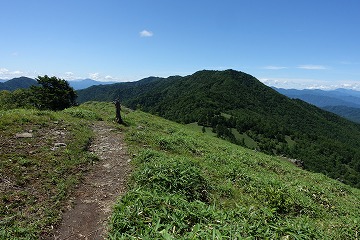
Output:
(92, 202)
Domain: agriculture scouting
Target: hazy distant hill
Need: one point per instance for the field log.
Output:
(344, 102)
(233, 103)
(16, 83)
(348, 92)
(320, 98)
(85, 83)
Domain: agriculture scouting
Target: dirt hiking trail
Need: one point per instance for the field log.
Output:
(91, 204)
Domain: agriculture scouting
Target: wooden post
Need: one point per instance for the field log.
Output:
(118, 108)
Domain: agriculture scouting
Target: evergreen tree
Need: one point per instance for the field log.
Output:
(53, 94)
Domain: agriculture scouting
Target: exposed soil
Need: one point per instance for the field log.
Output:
(90, 207)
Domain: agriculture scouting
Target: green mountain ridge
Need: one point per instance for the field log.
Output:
(325, 142)
(17, 83)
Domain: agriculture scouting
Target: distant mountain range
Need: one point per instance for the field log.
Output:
(25, 82)
(344, 102)
(85, 83)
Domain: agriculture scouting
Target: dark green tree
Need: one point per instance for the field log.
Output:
(20, 98)
(53, 94)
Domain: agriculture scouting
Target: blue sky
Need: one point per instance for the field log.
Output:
(283, 43)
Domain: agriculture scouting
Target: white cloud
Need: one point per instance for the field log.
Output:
(7, 74)
(146, 33)
(321, 87)
(298, 83)
(102, 78)
(69, 73)
(312, 67)
(273, 81)
(69, 76)
(308, 83)
(274, 67)
(3, 71)
(94, 76)
(336, 85)
(355, 85)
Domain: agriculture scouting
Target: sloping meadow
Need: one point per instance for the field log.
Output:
(185, 184)
(188, 185)
(42, 156)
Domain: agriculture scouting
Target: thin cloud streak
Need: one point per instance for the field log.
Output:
(349, 63)
(312, 67)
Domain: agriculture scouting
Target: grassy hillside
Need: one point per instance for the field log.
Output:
(186, 184)
(190, 185)
(42, 156)
(236, 105)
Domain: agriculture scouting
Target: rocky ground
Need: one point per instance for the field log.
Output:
(90, 207)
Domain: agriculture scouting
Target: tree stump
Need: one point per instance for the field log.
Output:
(118, 108)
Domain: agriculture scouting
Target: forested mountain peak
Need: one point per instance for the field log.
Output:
(16, 83)
(226, 77)
(237, 106)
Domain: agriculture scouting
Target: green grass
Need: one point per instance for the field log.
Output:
(185, 184)
(36, 177)
(248, 141)
(189, 185)
(196, 127)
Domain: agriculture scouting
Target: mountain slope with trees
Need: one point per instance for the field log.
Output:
(17, 83)
(234, 103)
